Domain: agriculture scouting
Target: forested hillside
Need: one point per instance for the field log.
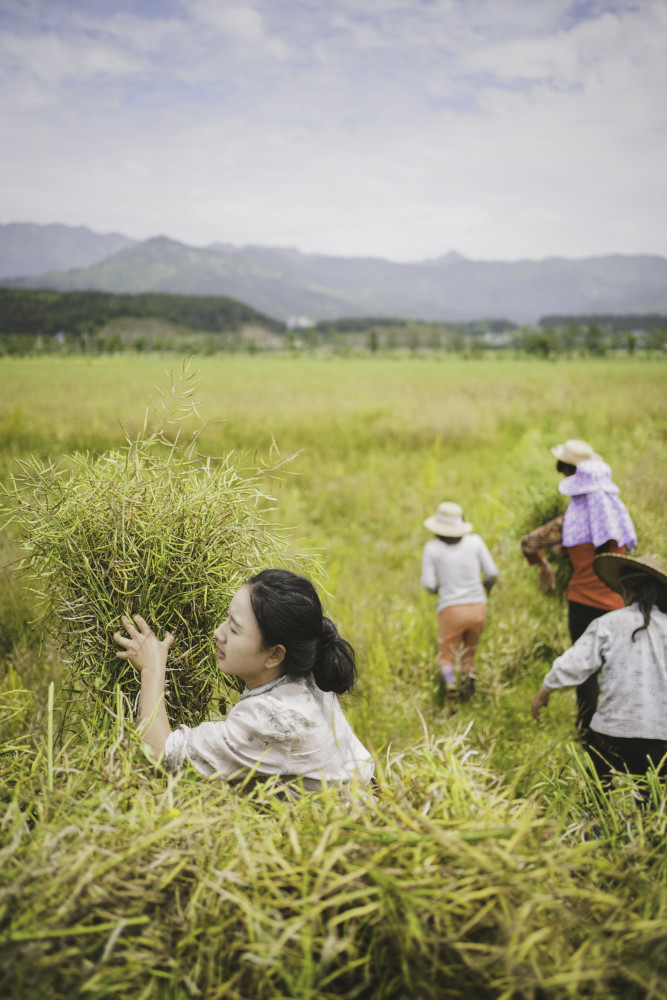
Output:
(35, 313)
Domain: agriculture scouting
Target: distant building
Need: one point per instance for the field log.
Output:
(492, 339)
(300, 323)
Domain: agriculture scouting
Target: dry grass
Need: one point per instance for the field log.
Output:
(469, 875)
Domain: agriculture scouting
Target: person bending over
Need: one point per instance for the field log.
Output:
(596, 521)
(288, 720)
(629, 647)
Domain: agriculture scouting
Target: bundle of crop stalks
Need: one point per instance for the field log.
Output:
(153, 528)
(539, 505)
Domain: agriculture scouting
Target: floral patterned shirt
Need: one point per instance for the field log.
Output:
(286, 727)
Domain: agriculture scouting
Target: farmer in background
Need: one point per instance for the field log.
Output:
(629, 648)
(596, 521)
(288, 721)
(458, 567)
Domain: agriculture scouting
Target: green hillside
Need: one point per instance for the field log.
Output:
(40, 312)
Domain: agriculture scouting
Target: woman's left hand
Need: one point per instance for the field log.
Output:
(546, 579)
(143, 648)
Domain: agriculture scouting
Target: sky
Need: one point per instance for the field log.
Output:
(402, 129)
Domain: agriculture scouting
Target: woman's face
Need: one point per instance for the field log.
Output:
(239, 645)
(565, 470)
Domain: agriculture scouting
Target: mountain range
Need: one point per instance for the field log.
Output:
(28, 249)
(284, 282)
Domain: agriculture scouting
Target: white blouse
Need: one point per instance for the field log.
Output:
(633, 678)
(286, 727)
(457, 573)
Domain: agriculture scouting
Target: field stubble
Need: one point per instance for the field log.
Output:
(468, 875)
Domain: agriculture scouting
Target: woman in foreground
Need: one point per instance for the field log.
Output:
(629, 647)
(288, 721)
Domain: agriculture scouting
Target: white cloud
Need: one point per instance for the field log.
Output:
(567, 58)
(500, 130)
(140, 33)
(136, 168)
(52, 59)
(241, 24)
(362, 33)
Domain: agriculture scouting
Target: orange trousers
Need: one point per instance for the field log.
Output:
(459, 629)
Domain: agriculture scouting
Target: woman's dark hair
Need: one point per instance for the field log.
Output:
(565, 468)
(289, 613)
(647, 592)
(448, 539)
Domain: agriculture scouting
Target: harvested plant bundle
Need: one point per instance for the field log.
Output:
(538, 506)
(154, 529)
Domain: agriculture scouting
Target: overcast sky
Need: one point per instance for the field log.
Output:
(503, 129)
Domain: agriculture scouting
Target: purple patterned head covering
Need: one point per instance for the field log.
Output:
(595, 513)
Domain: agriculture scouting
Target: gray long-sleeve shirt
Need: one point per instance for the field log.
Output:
(458, 573)
(633, 678)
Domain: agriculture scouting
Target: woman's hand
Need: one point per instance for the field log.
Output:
(546, 578)
(149, 656)
(143, 648)
(538, 702)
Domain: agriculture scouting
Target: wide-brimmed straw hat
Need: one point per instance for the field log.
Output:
(448, 521)
(614, 569)
(574, 451)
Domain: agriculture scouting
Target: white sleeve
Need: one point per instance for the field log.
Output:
(579, 661)
(257, 734)
(208, 748)
(429, 577)
(490, 571)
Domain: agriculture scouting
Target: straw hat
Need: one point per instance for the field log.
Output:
(613, 569)
(448, 521)
(573, 452)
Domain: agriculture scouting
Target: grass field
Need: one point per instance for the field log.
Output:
(469, 875)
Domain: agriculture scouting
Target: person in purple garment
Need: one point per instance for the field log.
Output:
(596, 521)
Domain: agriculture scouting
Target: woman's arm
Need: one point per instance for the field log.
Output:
(429, 580)
(547, 536)
(550, 536)
(488, 566)
(149, 656)
(573, 667)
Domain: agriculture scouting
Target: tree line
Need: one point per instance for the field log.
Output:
(43, 321)
(593, 335)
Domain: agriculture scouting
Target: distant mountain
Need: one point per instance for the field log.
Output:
(283, 282)
(27, 249)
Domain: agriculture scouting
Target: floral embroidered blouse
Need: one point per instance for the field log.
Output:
(286, 727)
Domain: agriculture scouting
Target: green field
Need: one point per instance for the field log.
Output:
(468, 876)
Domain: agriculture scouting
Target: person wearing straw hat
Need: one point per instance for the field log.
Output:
(596, 521)
(458, 567)
(629, 647)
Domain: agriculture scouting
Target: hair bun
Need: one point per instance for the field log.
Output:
(329, 634)
(334, 668)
